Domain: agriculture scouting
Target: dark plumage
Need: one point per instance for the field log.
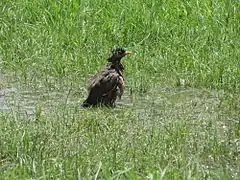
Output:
(108, 83)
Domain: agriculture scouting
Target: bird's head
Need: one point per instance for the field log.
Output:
(117, 54)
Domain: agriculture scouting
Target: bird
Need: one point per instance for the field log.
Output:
(108, 83)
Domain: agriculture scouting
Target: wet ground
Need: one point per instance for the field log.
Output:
(163, 102)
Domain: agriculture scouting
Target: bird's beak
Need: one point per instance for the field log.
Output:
(127, 52)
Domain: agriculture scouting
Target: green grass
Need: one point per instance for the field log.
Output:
(179, 117)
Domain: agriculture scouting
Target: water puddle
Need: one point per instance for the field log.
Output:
(4, 90)
(161, 102)
(26, 99)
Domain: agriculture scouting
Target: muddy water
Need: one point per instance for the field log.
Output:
(3, 92)
(163, 102)
(175, 102)
(26, 98)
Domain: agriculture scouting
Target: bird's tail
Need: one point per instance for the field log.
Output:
(85, 104)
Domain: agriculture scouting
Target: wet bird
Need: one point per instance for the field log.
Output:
(108, 83)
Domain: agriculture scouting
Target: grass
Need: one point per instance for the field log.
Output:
(179, 117)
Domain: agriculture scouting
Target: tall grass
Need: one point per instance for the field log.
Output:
(196, 41)
(78, 144)
(50, 46)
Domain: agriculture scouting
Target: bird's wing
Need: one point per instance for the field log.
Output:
(120, 86)
(102, 84)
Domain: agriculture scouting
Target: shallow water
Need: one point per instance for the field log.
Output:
(26, 98)
(162, 102)
(4, 91)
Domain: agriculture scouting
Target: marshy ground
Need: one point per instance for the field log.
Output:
(178, 118)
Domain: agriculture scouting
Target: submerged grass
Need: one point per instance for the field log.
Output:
(180, 113)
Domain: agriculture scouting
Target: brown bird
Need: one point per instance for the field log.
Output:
(108, 83)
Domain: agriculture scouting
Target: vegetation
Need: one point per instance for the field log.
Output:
(179, 118)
